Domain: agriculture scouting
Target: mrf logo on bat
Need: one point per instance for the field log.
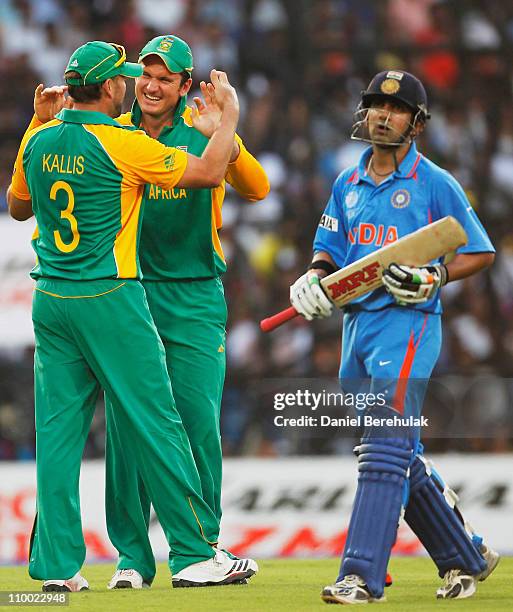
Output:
(348, 284)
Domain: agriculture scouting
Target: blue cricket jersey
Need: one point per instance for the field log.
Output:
(361, 217)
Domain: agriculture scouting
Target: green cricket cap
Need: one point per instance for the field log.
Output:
(98, 61)
(173, 51)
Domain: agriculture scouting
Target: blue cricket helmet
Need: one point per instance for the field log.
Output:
(398, 85)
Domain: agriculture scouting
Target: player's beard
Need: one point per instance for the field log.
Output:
(118, 96)
(118, 108)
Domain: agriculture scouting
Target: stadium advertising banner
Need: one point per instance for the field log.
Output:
(16, 287)
(273, 507)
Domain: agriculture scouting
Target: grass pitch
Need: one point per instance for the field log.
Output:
(280, 586)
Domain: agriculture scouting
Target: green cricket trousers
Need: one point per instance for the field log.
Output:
(92, 334)
(191, 320)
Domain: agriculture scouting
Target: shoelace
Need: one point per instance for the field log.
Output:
(450, 575)
(350, 579)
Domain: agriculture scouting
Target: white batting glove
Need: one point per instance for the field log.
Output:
(411, 285)
(309, 299)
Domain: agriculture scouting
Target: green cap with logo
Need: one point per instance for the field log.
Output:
(98, 61)
(173, 51)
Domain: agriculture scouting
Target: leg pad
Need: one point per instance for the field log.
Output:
(383, 466)
(434, 518)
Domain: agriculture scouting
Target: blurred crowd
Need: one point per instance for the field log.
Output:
(299, 67)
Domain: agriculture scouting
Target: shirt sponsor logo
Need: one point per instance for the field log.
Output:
(368, 233)
(329, 223)
(351, 199)
(400, 198)
(352, 281)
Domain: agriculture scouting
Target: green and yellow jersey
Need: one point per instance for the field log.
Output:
(85, 175)
(180, 229)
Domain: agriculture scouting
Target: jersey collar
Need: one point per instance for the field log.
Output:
(406, 168)
(69, 115)
(410, 162)
(179, 110)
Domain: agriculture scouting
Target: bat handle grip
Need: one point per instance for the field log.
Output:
(267, 325)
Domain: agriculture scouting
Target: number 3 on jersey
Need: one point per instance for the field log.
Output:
(66, 214)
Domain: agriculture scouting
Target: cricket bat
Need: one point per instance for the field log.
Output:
(415, 249)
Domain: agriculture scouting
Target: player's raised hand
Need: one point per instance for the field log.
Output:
(411, 285)
(48, 101)
(308, 297)
(223, 92)
(206, 116)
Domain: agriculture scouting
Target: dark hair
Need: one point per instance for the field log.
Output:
(83, 93)
(185, 77)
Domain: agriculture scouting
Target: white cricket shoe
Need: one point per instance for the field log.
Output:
(351, 590)
(492, 559)
(457, 585)
(72, 585)
(215, 572)
(127, 579)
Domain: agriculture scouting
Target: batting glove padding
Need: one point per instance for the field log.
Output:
(411, 285)
(309, 299)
